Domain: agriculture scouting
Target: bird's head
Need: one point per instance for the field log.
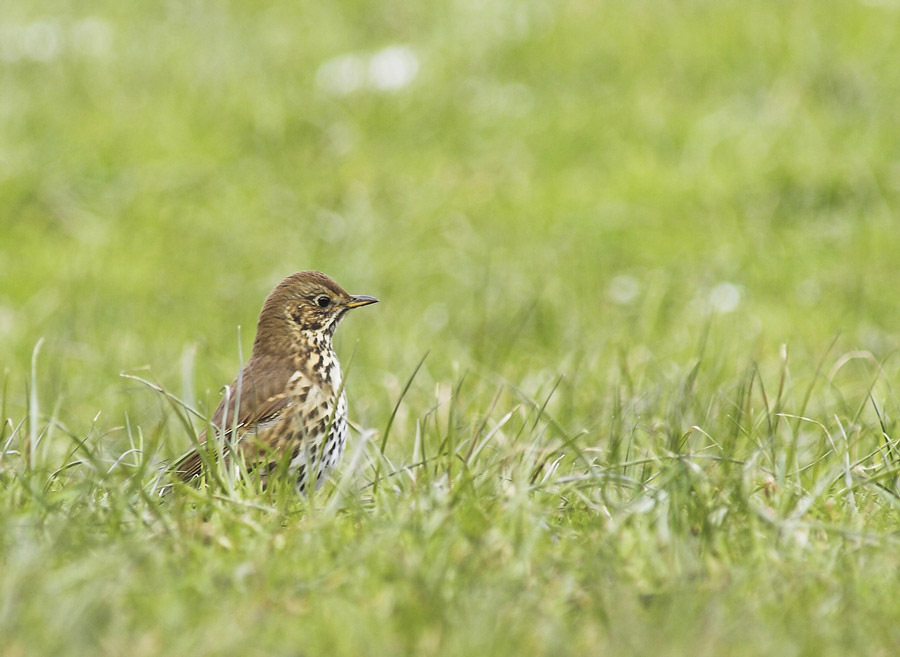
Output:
(304, 306)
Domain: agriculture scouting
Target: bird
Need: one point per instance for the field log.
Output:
(288, 405)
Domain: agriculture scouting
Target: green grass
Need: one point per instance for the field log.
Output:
(647, 251)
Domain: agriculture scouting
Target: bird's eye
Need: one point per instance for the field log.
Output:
(323, 301)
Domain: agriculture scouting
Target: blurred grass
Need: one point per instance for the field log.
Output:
(601, 220)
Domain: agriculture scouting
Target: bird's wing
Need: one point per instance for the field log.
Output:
(263, 397)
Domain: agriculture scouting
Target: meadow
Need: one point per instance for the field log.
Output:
(632, 386)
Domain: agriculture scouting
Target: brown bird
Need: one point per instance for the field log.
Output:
(288, 404)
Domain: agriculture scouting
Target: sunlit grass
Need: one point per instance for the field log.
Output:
(754, 496)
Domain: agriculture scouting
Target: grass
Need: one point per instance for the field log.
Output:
(632, 386)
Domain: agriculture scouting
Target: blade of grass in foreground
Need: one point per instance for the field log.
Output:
(390, 422)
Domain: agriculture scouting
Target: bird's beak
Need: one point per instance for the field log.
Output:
(361, 300)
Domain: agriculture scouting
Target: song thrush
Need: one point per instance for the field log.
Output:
(287, 405)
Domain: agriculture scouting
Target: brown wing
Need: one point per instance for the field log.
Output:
(263, 396)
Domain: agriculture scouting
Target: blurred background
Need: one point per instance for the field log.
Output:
(532, 188)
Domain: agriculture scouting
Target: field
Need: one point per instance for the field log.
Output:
(632, 386)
